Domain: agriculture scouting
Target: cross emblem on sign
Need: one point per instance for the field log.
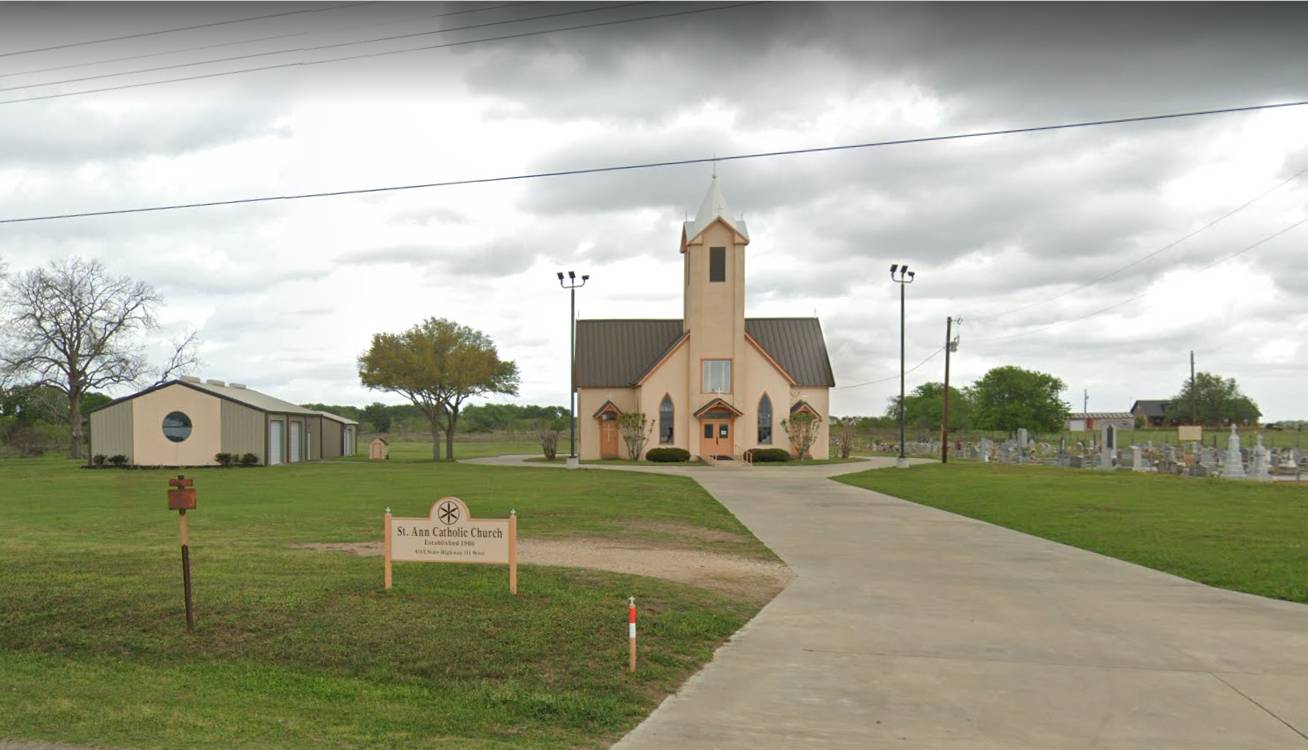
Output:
(181, 483)
(448, 513)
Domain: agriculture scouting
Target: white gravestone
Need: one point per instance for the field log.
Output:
(1234, 468)
(1137, 461)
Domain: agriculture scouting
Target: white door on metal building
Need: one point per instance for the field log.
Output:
(347, 441)
(276, 439)
(297, 437)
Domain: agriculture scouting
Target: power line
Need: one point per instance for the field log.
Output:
(254, 40)
(280, 66)
(315, 48)
(159, 32)
(892, 377)
(1142, 295)
(650, 165)
(1147, 256)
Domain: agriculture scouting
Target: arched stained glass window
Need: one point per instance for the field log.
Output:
(765, 420)
(666, 413)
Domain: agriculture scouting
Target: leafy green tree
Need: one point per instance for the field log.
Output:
(437, 365)
(1008, 398)
(636, 429)
(802, 429)
(377, 415)
(1218, 401)
(925, 407)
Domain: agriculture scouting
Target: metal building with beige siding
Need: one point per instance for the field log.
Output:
(188, 422)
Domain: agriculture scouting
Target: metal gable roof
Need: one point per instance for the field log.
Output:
(798, 345)
(616, 353)
(245, 396)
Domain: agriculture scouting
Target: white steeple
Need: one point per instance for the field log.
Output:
(714, 206)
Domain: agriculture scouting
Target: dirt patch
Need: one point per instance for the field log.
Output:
(756, 579)
(686, 530)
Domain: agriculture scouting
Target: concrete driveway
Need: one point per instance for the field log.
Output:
(910, 627)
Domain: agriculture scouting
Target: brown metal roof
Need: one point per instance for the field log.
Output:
(616, 353)
(796, 344)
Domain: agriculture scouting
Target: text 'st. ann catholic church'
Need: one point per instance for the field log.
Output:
(713, 382)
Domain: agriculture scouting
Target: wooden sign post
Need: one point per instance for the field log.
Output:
(450, 534)
(181, 498)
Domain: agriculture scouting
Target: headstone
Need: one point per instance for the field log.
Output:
(1259, 468)
(985, 450)
(1109, 447)
(1021, 444)
(1234, 468)
(1137, 461)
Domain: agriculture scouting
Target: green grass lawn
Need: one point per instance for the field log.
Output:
(420, 450)
(301, 648)
(1245, 536)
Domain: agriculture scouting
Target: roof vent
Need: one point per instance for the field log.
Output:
(213, 381)
(191, 379)
(237, 385)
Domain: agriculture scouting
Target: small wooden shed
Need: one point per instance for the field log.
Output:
(378, 450)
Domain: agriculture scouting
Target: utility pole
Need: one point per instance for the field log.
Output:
(950, 345)
(1194, 412)
(1085, 401)
(904, 278)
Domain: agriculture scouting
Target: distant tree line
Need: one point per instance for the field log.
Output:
(1008, 398)
(476, 419)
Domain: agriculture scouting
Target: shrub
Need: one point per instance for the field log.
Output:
(249, 459)
(118, 460)
(668, 455)
(99, 459)
(225, 459)
(768, 455)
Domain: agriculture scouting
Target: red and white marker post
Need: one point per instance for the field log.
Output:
(631, 632)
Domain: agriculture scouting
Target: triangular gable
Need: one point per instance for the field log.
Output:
(664, 358)
(608, 406)
(804, 406)
(738, 237)
(759, 347)
(718, 403)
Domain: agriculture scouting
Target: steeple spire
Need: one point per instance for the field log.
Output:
(714, 206)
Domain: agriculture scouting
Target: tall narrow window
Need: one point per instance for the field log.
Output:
(717, 376)
(666, 413)
(717, 264)
(765, 420)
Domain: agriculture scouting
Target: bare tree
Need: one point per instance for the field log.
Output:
(802, 429)
(844, 430)
(636, 430)
(73, 327)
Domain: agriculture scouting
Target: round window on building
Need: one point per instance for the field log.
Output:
(177, 427)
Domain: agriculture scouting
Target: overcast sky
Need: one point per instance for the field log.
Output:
(1003, 231)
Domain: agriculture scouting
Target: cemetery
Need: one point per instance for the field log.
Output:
(1230, 455)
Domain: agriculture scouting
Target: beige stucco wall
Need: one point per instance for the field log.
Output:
(243, 430)
(111, 431)
(761, 377)
(589, 400)
(714, 311)
(151, 448)
(669, 379)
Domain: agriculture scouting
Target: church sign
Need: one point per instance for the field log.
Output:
(450, 534)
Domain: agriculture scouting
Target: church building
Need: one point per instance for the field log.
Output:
(713, 382)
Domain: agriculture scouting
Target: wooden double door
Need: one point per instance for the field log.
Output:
(717, 436)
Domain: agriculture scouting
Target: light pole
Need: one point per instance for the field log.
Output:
(572, 285)
(903, 277)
